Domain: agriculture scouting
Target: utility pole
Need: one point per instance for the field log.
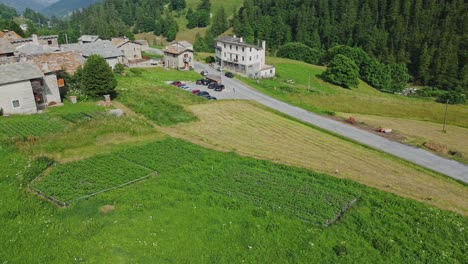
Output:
(66, 38)
(445, 115)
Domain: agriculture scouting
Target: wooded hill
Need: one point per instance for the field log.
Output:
(429, 36)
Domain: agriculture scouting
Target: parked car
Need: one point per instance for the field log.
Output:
(211, 98)
(204, 73)
(176, 83)
(229, 74)
(201, 93)
(206, 81)
(194, 91)
(199, 82)
(212, 85)
(219, 88)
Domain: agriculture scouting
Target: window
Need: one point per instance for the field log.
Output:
(271, 71)
(250, 58)
(242, 49)
(250, 49)
(237, 48)
(225, 54)
(224, 45)
(242, 58)
(16, 103)
(49, 42)
(230, 46)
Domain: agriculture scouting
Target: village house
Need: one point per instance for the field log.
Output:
(179, 55)
(130, 49)
(88, 39)
(51, 41)
(234, 54)
(144, 44)
(103, 48)
(25, 89)
(6, 49)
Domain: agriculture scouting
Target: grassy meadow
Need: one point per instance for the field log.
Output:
(256, 187)
(323, 97)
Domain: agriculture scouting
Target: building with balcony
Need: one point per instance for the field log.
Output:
(233, 53)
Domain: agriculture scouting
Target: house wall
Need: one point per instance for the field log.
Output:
(51, 90)
(21, 91)
(180, 59)
(177, 61)
(131, 51)
(241, 54)
(268, 73)
(113, 61)
(52, 42)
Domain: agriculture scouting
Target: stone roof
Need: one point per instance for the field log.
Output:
(179, 48)
(88, 38)
(142, 42)
(9, 35)
(237, 41)
(31, 40)
(31, 48)
(103, 48)
(6, 47)
(57, 61)
(16, 72)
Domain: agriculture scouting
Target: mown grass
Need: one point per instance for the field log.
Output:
(250, 130)
(324, 98)
(419, 132)
(148, 93)
(177, 217)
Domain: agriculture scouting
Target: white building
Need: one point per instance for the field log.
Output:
(130, 49)
(234, 54)
(25, 89)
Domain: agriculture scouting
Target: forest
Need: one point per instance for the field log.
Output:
(430, 36)
(426, 36)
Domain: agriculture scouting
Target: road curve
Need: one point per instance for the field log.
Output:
(426, 159)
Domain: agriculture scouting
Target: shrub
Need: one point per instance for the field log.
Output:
(451, 97)
(210, 59)
(342, 71)
(301, 52)
(119, 69)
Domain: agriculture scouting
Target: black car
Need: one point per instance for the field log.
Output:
(202, 93)
(212, 85)
(205, 81)
(199, 82)
(219, 88)
(229, 75)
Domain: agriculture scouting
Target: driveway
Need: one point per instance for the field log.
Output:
(238, 90)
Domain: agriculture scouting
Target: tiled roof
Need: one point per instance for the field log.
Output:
(68, 60)
(103, 48)
(9, 35)
(31, 48)
(88, 38)
(10, 73)
(6, 47)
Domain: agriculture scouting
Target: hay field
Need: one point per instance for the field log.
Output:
(250, 130)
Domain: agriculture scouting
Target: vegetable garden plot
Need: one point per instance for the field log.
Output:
(71, 181)
(41, 124)
(23, 126)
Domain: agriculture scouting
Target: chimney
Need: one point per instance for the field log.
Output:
(241, 39)
(264, 44)
(34, 38)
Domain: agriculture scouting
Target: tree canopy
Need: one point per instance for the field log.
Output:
(342, 71)
(97, 77)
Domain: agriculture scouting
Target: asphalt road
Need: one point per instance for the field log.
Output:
(238, 90)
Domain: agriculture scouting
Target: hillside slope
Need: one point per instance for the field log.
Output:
(63, 7)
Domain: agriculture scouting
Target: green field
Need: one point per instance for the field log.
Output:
(148, 93)
(323, 97)
(207, 206)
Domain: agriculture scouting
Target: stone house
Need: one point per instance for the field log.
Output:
(25, 89)
(51, 41)
(130, 49)
(179, 55)
(235, 54)
(103, 48)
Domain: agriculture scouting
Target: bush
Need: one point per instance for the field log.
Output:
(301, 52)
(119, 69)
(342, 71)
(210, 59)
(452, 98)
